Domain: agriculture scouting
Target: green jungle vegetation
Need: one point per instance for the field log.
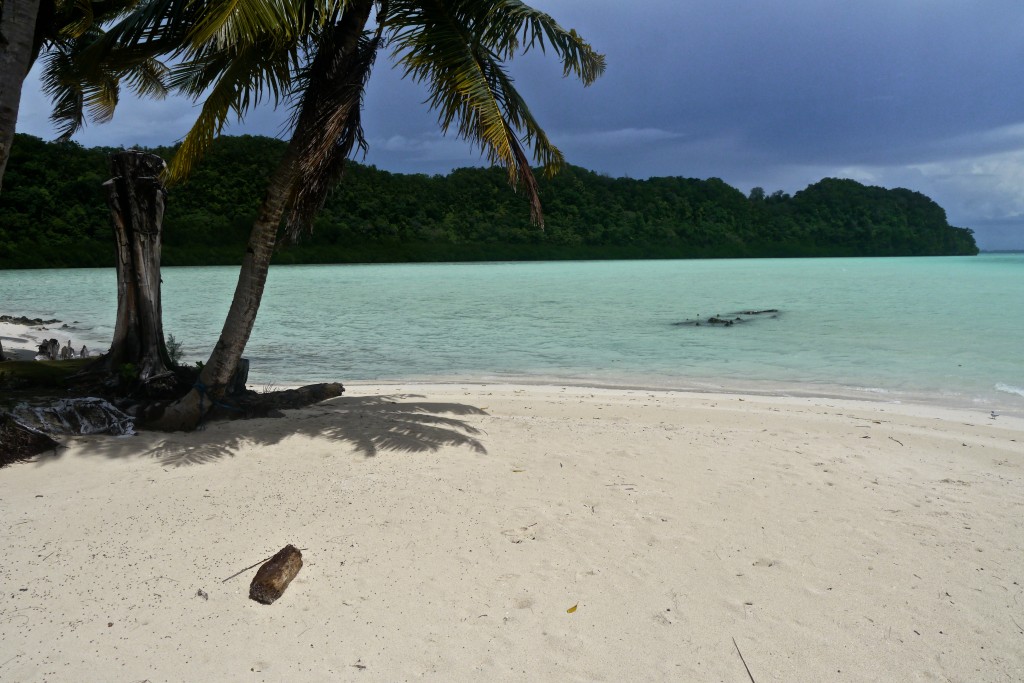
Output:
(53, 214)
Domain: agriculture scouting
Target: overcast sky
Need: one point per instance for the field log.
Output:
(923, 94)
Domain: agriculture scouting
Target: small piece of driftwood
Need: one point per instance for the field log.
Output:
(274, 576)
(750, 675)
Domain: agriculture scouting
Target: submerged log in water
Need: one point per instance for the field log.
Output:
(730, 320)
(713, 321)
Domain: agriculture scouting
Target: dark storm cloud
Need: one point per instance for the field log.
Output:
(812, 81)
(922, 93)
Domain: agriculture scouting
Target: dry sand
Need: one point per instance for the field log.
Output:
(21, 342)
(465, 533)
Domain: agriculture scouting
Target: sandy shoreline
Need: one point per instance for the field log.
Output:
(448, 529)
(21, 342)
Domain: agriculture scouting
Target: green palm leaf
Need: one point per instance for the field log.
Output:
(228, 81)
(236, 22)
(328, 118)
(234, 54)
(458, 48)
(79, 87)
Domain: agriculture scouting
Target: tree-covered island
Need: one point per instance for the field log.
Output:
(53, 214)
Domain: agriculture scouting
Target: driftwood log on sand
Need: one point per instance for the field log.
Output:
(274, 576)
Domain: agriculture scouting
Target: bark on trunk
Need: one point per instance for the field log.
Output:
(188, 411)
(17, 31)
(136, 197)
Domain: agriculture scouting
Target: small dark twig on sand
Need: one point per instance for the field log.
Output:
(743, 660)
(896, 440)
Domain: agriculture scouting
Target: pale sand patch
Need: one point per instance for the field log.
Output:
(448, 530)
(21, 342)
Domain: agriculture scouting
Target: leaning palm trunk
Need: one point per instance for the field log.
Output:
(187, 412)
(17, 33)
(456, 47)
(340, 57)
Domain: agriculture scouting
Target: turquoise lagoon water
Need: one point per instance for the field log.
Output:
(938, 330)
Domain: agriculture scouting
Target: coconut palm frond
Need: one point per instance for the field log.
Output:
(229, 81)
(148, 77)
(441, 45)
(235, 53)
(233, 22)
(144, 30)
(78, 86)
(82, 20)
(75, 95)
(328, 119)
(521, 118)
(68, 113)
(512, 26)
(101, 97)
(161, 23)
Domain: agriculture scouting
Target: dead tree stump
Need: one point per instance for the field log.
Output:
(273, 577)
(136, 197)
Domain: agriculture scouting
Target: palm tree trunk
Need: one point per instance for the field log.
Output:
(187, 412)
(17, 33)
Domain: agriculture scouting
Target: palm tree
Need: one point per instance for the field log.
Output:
(60, 30)
(59, 33)
(318, 54)
(17, 38)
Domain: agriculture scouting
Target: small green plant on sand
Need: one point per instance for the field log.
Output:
(128, 372)
(173, 349)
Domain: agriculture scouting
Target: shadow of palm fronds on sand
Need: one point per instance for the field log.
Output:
(370, 424)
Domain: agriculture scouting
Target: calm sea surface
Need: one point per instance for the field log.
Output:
(939, 330)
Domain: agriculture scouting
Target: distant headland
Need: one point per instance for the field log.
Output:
(53, 214)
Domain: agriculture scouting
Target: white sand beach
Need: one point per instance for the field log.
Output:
(527, 533)
(21, 342)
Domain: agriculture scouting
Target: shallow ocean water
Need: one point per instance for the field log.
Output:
(947, 330)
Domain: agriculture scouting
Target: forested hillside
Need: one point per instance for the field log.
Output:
(53, 214)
